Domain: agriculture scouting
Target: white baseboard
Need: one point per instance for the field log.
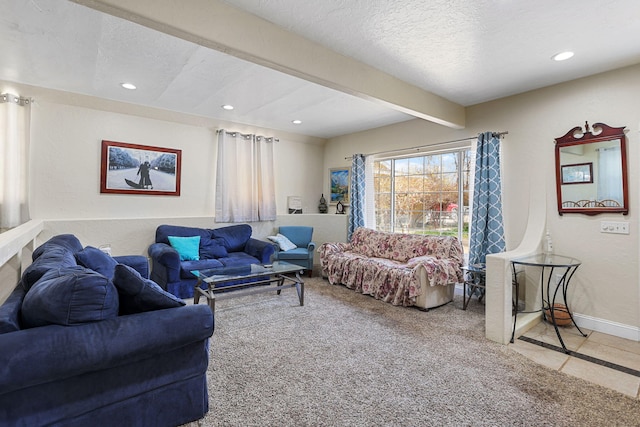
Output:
(607, 327)
(458, 289)
(595, 324)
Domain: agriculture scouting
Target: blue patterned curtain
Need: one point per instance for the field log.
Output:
(487, 230)
(356, 212)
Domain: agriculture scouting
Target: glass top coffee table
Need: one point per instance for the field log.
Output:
(223, 282)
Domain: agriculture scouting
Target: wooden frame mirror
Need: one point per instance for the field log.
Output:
(591, 170)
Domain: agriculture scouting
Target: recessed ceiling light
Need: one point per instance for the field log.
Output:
(296, 122)
(129, 86)
(227, 107)
(562, 56)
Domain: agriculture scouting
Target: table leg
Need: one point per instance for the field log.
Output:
(212, 303)
(196, 294)
(466, 297)
(565, 286)
(300, 288)
(515, 314)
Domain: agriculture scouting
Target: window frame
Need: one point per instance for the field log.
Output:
(463, 213)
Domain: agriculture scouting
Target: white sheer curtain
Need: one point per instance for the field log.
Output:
(15, 116)
(245, 184)
(609, 161)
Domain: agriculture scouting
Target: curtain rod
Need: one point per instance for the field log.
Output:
(9, 97)
(498, 134)
(233, 133)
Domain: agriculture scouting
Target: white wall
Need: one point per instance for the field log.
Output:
(66, 134)
(605, 293)
(67, 130)
(65, 145)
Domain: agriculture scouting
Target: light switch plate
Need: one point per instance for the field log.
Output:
(614, 227)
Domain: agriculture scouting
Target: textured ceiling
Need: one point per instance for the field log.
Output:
(467, 51)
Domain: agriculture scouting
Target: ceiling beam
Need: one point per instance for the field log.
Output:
(218, 26)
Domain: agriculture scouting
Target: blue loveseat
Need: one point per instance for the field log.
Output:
(85, 339)
(230, 246)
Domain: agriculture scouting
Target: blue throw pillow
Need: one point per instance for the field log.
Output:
(69, 296)
(97, 260)
(212, 248)
(10, 310)
(235, 237)
(138, 294)
(54, 257)
(68, 241)
(187, 247)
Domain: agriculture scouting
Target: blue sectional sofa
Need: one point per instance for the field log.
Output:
(230, 246)
(85, 339)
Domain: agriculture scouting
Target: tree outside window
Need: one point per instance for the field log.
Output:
(426, 194)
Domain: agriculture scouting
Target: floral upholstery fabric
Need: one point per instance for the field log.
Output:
(387, 266)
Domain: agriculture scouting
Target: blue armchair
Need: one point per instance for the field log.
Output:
(302, 255)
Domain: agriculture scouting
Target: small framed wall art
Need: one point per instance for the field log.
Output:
(339, 179)
(139, 169)
(579, 173)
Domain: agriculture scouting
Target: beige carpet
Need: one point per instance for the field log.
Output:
(344, 359)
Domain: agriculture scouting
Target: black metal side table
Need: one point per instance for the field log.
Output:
(474, 281)
(550, 263)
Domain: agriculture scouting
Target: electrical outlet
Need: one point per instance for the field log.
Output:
(614, 227)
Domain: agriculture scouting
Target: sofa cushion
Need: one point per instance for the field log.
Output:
(97, 261)
(138, 294)
(186, 267)
(212, 248)
(297, 253)
(236, 259)
(68, 241)
(10, 310)
(187, 247)
(69, 296)
(53, 257)
(235, 237)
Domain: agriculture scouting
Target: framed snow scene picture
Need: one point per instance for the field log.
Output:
(139, 169)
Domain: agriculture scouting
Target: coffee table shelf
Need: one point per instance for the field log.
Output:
(253, 279)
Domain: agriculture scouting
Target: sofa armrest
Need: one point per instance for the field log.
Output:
(329, 248)
(49, 353)
(137, 262)
(439, 271)
(311, 247)
(260, 249)
(166, 256)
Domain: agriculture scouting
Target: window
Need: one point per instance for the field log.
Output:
(426, 194)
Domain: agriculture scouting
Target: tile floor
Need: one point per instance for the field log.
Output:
(603, 359)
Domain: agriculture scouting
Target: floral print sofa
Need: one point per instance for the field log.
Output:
(402, 269)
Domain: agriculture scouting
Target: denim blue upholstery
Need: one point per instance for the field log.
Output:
(138, 294)
(174, 275)
(70, 296)
(97, 260)
(303, 255)
(143, 369)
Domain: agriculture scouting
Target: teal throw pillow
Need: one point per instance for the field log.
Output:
(187, 247)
